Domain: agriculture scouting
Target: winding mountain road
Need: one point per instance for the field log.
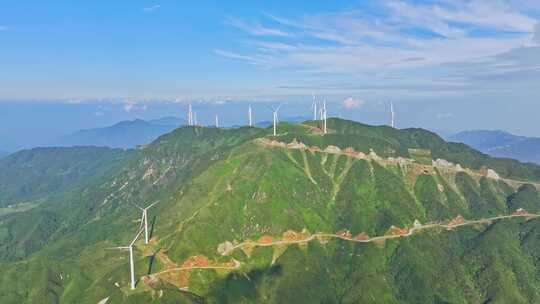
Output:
(315, 236)
(382, 237)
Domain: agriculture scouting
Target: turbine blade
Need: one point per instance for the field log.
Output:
(136, 237)
(151, 205)
(137, 206)
(142, 221)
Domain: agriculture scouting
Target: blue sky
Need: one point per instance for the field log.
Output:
(448, 54)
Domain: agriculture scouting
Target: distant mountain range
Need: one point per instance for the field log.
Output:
(132, 133)
(3, 153)
(501, 144)
(125, 134)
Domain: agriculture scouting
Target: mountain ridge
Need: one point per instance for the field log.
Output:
(219, 185)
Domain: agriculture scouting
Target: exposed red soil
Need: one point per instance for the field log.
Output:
(362, 236)
(265, 239)
(196, 261)
(350, 152)
(397, 231)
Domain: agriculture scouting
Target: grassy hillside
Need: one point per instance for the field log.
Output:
(221, 188)
(34, 174)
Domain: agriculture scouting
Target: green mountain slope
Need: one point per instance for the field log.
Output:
(244, 217)
(36, 173)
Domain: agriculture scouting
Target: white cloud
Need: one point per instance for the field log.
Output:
(129, 106)
(353, 103)
(442, 16)
(406, 44)
(256, 29)
(152, 8)
(255, 59)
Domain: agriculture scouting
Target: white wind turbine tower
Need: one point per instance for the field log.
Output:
(144, 220)
(131, 262)
(393, 114)
(321, 110)
(325, 115)
(314, 106)
(190, 116)
(217, 121)
(275, 116)
(249, 114)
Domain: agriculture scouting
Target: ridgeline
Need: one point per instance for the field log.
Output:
(220, 189)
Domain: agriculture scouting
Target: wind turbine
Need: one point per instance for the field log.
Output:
(144, 220)
(190, 116)
(249, 114)
(275, 116)
(217, 121)
(314, 106)
(325, 115)
(393, 114)
(131, 262)
(321, 110)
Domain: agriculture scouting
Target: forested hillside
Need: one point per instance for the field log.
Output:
(362, 214)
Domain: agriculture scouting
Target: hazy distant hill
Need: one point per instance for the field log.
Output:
(3, 153)
(501, 144)
(125, 134)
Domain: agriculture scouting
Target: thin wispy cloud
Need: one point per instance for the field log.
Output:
(255, 59)
(452, 41)
(255, 28)
(152, 8)
(353, 103)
